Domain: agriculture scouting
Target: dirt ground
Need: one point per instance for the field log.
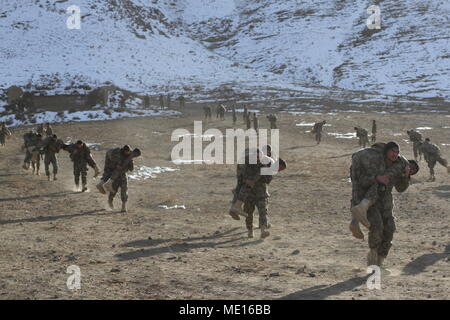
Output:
(200, 252)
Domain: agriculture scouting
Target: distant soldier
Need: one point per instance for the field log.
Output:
(30, 140)
(51, 146)
(374, 131)
(221, 110)
(4, 134)
(182, 101)
(317, 130)
(48, 130)
(40, 129)
(36, 155)
(168, 100)
(81, 156)
(273, 121)
(416, 138)
(249, 122)
(234, 115)
(255, 121)
(363, 136)
(161, 101)
(245, 114)
(432, 154)
(118, 162)
(207, 111)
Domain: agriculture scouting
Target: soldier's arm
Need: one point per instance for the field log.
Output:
(401, 184)
(131, 166)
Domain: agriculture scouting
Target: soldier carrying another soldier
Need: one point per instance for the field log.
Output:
(51, 146)
(317, 130)
(363, 136)
(432, 154)
(4, 134)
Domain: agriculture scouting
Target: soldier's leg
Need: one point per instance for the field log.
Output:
(443, 162)
(388, 234)
(111, 195)
(375, 233)
(55, 166)
(124, 193)
(47, 164)
(431, 164)
(415, 150)
(76, 174)
(262, 205)
(249, 208)
(83, 172)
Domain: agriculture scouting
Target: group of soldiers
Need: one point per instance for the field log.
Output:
(43, 144)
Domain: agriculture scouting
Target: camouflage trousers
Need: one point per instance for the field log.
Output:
(249, 207)
(363, 141)
(2, 140)
(318, 137)
(432, 159)
(35, 161)
(80, 169)
(122, 183)
(382, 225)
(50, 158)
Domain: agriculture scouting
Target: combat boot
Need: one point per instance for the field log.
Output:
(372, 257)
(54, 177)
(111, 204)
(48, 177)
(264, 233)
(84, 188)
(77, 187)
(356, 230)
(124, 207)
(236, 209)
(250, 233)
(100, 187)
(359, 212)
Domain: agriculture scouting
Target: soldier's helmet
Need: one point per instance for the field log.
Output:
(126, 148)
(427, 139)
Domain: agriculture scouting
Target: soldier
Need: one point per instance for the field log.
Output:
(81, 156)
(234, 115)
(245, 114)
(30, 140)
(168, 100)
(374, 131)
(249, 122)
(273, 121)
(222, 111)
(363, 136)
(36, 155)
(252, 192)
(118, 162)
(146, 101)
(416, 138)
(4, 134)
(255, 121)
(182, 102)
(368, 166)
(40, 129)
(48, 130)
(432, 154)
(207, 111)
(317, 129)
(51, 146)
(161, 101)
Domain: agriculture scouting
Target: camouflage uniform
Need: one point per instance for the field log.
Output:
(255, 122)
(4, 132)
(40, 129)
(30, 141)
(81, 158)
(234, 115)
(257, 196)
(416, 138)
(374, 131)
(366, 165)
(273, 121)
(221, 112)
(317, 129)
(48, 130)
(249, 122)
(363, 136)
(51, 147)
(114, 158)
(208, 112)
(245, 115)
(432, 154)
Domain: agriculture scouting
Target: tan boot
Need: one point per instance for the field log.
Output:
(372, 257)
(356, 230)
(264, 233)
(124, 207)
(359, 212)
(100, 187)
(111, 204)
(250, 233)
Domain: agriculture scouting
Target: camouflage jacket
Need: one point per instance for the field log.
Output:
(114, 158)
(317, 128)
(260, 189)
(4, 132)
(30, 139)
(51, 145)
(80, 155)
(430, 149)
(414, 136)
(361, 132)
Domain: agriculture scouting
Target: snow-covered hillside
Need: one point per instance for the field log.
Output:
(151, 46)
